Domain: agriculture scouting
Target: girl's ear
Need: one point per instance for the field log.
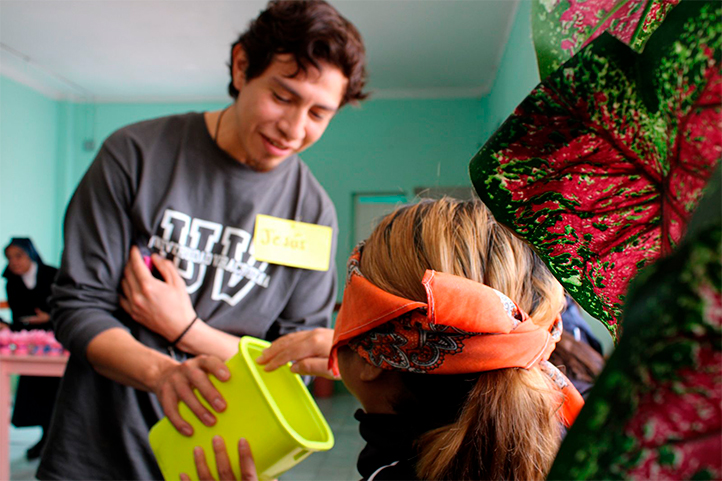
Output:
(369, 373)
(240, 64)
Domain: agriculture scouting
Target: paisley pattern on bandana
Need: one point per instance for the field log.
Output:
(352, 265)
(556, 330)
(556, 376)
(510, 308)
(407, 345)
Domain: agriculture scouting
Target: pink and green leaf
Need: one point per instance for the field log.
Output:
(601, 165)
(563, 27)
(656, 409)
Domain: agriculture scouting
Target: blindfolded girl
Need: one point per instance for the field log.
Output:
(444, 333)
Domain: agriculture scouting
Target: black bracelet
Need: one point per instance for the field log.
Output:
(172, 344)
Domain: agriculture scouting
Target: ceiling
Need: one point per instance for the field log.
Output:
(171, 50)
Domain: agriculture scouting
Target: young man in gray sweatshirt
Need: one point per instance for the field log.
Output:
(189, 187)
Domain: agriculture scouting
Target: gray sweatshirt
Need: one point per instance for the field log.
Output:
(166, 185)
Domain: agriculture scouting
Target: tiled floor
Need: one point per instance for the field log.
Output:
(338, 464)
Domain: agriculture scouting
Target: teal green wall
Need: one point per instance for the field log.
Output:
(29, 148)
(517, 74)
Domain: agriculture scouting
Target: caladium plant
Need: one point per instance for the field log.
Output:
(601, 165)
(656, 410)
(563, 27)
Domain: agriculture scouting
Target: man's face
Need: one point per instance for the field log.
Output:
(276, 115)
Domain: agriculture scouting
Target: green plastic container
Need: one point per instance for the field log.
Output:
(272, 410)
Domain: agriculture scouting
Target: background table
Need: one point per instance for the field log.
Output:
(24, 365)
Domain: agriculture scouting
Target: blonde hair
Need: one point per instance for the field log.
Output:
(506, 427)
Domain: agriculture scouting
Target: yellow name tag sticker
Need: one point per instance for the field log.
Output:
(291, 243)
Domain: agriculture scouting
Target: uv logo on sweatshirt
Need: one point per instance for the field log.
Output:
(191, 243)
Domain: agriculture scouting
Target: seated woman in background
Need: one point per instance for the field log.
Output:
(28, 289)
(434, 340)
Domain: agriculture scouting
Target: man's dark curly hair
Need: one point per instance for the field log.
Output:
(310, 30)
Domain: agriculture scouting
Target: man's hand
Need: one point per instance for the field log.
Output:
(176, 384)
(308, 350)
(162, 307)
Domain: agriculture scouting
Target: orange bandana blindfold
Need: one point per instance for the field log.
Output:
(464, 327)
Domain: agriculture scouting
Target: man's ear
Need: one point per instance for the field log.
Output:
(240, 64)
(369, 372)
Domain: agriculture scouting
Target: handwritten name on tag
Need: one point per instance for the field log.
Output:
(291, 243)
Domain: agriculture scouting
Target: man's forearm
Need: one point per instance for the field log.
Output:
(204, 339)
(117, 355)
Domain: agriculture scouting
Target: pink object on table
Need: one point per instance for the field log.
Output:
(54, 347)
(5, 341)
(55, 350)
(36, 342)
(21, 343)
